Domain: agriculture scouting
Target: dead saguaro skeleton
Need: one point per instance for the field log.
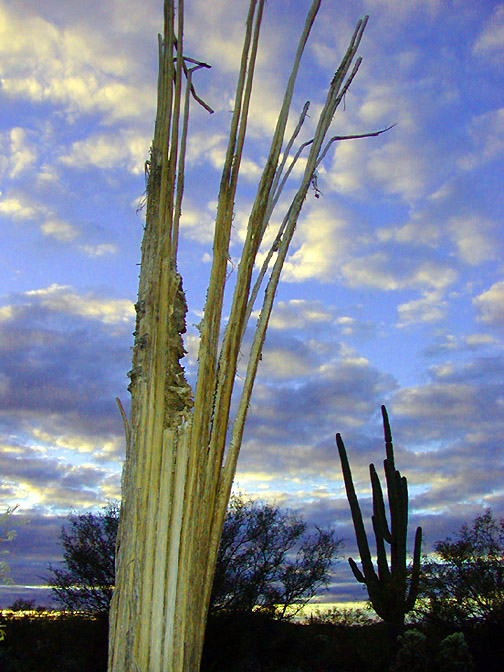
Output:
(182, 447)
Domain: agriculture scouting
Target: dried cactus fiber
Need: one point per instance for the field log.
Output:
(391, 591)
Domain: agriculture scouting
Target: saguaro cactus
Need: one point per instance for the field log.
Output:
(391, 596)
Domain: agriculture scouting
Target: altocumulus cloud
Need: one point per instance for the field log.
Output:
(63, 355)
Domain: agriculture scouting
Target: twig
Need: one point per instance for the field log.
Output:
(199, 64)
(125, 421)
(350, 137)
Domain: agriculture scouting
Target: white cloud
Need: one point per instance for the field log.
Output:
(383, 105)
(52, 227)
(490, 305)
(205, 144)
(399, 169)
(436, 401)
(99, 250)
(430, 308)
(16, 208)
(491, 39)
(450, 343)
(382, 270)
(61, 231)
(281, 364)
(418, 231)
(479, 340)
(22, 155)
(471, 236)
(105, 151)
(299, 314)
(67, 300)
(397, 166)
(197, 223)
(69, 67)
(345, 173)
(219, 29)
(323, 241)
(487, 133)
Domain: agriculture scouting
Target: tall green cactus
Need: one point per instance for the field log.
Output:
(389, 590)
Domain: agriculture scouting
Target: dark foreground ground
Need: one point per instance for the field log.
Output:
(37, 643)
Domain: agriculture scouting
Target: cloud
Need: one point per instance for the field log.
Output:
(100, 250)
(430, 308)
(490, 305)
(43, 481)
(20, 207)
(17, 152)
(489, 41)
(399, 170)
(300, 314)
(472, 234)
(16, 208)
(61, 231)
(461, 402)
(382, 270)
(416, 232)
(423, 229)
(217, 32)
(197, 223)
(472, 238)
(450, 343)
(63, 299)
(33, 547)
(301, 412)
(67, 67)
(436, 401)
(322, 243)
(105, 151)
(486, 131)
(64, 356)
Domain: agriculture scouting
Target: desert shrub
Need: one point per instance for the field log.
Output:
(342, 617)
(54, 643)
(412, 654)
(454, 654)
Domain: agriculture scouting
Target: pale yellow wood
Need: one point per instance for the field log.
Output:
(179, 470)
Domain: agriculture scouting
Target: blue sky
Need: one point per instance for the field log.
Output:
(393, 291)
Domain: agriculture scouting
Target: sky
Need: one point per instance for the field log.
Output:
(393, 292)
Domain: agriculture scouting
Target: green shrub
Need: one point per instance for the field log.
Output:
(412, 655)
(454, 654)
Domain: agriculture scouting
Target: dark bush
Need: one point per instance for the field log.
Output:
(54, 643)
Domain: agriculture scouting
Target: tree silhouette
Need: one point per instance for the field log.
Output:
(266, 560)
(86, 581)
(466, 580)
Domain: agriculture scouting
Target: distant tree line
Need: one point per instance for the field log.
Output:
(268, 560)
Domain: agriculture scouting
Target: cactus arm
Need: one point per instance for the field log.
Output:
(402, 527)
(380, 525)
(360, 532)
(379, 504)
(415, 572)
(392, 477)
(381, 555)
(388, 436)
(356, 571)
(398, 503)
